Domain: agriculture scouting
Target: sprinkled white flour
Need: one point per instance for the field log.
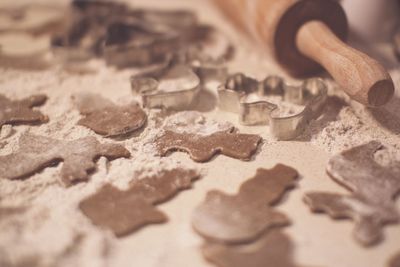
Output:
(55, 207)
(193, 122)
(347, 124)
(53, 232)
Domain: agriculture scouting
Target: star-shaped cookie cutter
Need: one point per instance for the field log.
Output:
(312, 93)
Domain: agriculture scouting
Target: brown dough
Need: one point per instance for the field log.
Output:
(126, 211)
(9, 211)
(202, 148)
(32, 62)
(21, 111)
(245, 216)
(30, 261)
(37, 152)
(395, 260)
(374, 187)
(273, 249)
(106, 118)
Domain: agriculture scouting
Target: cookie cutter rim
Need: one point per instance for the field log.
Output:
(151, 50)
(263, 112)
(195, 64)
(147, 86)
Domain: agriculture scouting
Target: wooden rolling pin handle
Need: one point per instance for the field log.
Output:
(362, 77)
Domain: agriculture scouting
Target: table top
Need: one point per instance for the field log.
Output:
(54, 229)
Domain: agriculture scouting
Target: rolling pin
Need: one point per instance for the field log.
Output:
(305, 34)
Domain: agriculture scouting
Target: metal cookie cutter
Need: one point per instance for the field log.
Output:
(146, 36)
(206, 67)
(171, 87)
(176, 81)
(312, 93)
(134, 45)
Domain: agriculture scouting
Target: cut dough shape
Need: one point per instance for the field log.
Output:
(395, 260)
(248, 214)
(10, 211)
(37, 152)
(106, 118)
(192, 133)
(126, 211)
(21, 111)
(273, 249)
(374, 187)
(204, 148)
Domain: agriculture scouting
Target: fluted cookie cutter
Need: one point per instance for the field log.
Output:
(84, 34)
(124, 36)
(176, 81)
(169, 86)
(233, 95)
(146, 37)
(206, 67)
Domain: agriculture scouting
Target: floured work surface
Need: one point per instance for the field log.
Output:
(48, 229)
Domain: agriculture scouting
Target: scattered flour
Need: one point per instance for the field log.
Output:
(345, 124)
(193, 122)
(53, 232)
(53, 216)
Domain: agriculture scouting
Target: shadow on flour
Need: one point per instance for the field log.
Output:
(388, 116)
(333, 106)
